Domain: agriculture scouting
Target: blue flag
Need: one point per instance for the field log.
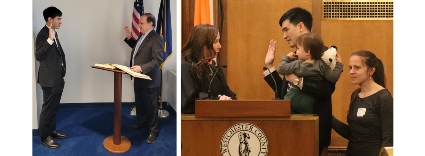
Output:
(163, 28)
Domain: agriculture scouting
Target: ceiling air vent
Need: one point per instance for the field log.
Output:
(358, 10)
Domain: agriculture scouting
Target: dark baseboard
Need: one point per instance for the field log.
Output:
(34, 132)
(339, 151)
(94, 105)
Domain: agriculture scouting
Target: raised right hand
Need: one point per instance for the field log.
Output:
(127, 32)
(270, 54)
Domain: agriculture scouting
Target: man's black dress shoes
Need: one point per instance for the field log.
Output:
(133, 127)
(152, 136)
(50, 143)
(56, 134)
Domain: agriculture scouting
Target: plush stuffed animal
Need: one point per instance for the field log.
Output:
(329, 57)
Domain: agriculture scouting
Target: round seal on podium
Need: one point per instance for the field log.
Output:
(244, 139)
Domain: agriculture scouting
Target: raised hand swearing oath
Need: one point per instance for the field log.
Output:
(127, 32)
(270, 54)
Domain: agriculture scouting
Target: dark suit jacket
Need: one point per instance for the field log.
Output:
(51, 71)
(321, 91)
(149, 57)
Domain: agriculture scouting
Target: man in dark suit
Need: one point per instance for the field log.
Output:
(295, 22)
(51, 72)
(146, 57)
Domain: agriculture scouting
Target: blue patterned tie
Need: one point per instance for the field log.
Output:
(136, 49)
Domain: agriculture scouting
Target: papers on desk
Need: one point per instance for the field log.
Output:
(125, 69)
(107, 65)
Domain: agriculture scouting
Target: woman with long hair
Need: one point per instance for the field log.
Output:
(200, 79)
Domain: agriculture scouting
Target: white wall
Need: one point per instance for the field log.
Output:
(93, 32)
(34, 87)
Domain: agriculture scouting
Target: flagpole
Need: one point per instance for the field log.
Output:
(161, 112)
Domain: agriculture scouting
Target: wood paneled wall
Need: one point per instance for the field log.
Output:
(251, 24)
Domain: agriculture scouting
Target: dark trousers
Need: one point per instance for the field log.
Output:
(146, 101)
(51, 100)
(324, 112)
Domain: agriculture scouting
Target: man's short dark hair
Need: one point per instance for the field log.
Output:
(51, 12)
(150, 18)
(297, 15)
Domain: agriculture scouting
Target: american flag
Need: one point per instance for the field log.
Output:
(137, 11)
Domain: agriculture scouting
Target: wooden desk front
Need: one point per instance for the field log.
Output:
(296, 135)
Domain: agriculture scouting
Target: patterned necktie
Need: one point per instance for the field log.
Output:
(136, 49)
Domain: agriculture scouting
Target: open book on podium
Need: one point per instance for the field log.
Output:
(125, 69)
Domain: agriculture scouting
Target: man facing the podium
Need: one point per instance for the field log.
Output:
(146, 57)
(51, 72)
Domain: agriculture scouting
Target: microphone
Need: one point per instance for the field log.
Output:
(276, 96)
(212, 78)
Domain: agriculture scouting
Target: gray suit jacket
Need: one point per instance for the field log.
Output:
(149, 57)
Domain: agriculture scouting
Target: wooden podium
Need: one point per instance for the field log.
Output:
(116, 143)
(261, 127)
